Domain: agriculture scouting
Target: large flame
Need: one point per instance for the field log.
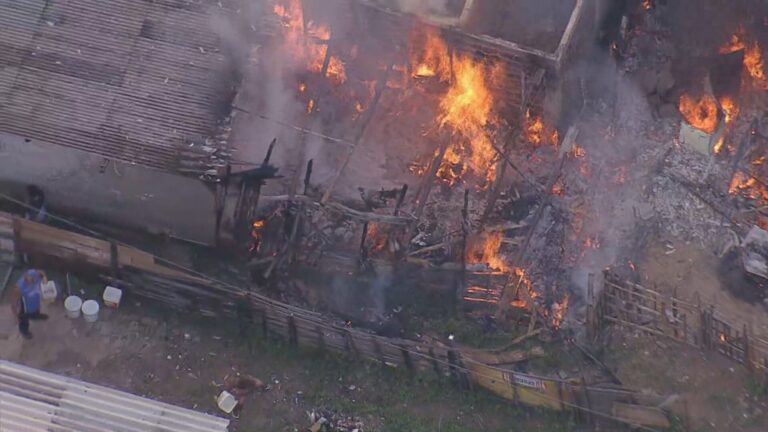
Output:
(485, 250)
(700, 113)
(753, 56)
(433, 58)
(466, 109)
(308, 47)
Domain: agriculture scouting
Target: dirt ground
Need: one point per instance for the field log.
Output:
(164, 356)
(719, 394)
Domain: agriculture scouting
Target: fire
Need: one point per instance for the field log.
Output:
(700, 113)
(526, 295)
(558, 311)
(311, 53)
(578, 151)
(378, 236)
(537, 132)
(452, 168)
(748, 186)
(647, 5)
(731, 110)
(466, 109)
(534, 128)
(558, 188)
(753, 56)
(722, 338)
(256, 234)
(433, 58)
(485, 250)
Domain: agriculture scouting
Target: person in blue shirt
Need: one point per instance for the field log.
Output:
(27, 298)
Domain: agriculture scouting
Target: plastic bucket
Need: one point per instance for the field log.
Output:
(90, 310)
(72, 305)
(226, 402)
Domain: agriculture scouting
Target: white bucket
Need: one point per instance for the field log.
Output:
(226, 402)
(90, 310)
(112, 296)
(72, 306)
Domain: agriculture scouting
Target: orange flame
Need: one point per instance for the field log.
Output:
(313, 52)
(466, 109)
(537, 132)
(748, 186)
(731, 111)
(485, 250)
(558, 188)
(700, 113)
(378, 236)
(526, 295)
(753, 56)
(433, 59)
(558, 311)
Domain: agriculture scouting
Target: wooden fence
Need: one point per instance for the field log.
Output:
(628, 304)
(140, 275)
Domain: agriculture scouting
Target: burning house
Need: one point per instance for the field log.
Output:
(419, 143)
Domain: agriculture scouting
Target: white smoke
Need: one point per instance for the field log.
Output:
(424, 7)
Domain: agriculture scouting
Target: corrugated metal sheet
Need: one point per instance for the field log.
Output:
(129, 80)
(32, 400)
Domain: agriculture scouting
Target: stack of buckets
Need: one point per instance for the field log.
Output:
(74, 305)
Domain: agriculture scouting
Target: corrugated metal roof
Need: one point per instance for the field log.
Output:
(32, 400)
(129, 80)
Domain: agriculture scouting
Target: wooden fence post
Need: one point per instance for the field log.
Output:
(747, 354)
(587, 399)
(407, 360)
(293, 334)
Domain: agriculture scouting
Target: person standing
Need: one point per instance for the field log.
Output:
(27, 298)
(36, 208)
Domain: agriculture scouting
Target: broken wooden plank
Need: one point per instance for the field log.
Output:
(641, 415)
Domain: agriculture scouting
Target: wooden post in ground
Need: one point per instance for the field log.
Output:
(464, 232)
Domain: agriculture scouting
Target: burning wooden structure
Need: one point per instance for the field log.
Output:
(434, 142)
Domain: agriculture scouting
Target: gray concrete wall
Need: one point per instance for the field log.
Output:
(124, 195)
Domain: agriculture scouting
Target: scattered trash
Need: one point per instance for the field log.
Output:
(327, 420)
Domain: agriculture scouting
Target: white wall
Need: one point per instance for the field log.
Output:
(126, 195)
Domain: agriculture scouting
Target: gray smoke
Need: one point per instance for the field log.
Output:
(424, 7)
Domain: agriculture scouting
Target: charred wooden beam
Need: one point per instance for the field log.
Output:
(381, 85)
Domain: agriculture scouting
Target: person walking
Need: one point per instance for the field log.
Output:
(27, 298)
